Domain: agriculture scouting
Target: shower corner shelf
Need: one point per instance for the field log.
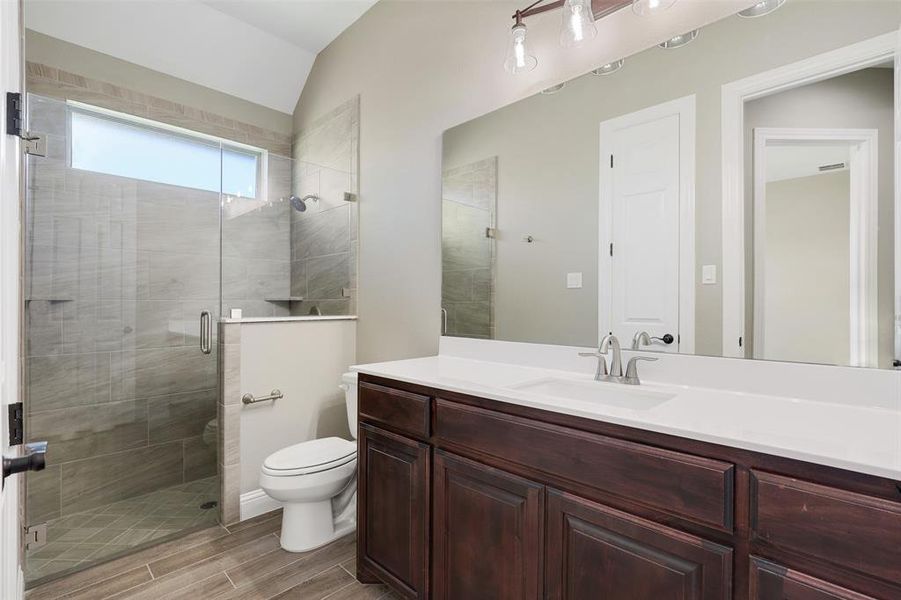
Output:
(285, 299)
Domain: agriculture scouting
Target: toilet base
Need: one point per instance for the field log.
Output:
(309, 525)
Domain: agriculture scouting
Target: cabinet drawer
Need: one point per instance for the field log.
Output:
(694, 488)
(397, 409)
(852, 530)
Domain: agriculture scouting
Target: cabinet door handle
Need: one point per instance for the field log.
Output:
(206, 331)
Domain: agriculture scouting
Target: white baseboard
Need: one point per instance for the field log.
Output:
(257, 502)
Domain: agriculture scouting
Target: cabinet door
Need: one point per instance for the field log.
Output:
(770, 581)
(594, 551)
(393, 510)
(487, 532)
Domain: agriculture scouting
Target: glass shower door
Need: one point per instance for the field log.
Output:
(122, 257)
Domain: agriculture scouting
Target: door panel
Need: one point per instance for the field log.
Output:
(644, 195)
(393, 505)
(487, 532)
(594, 551)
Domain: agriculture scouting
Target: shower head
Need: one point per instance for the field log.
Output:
(300, 204)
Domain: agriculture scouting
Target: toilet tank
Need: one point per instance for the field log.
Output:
(349, 385)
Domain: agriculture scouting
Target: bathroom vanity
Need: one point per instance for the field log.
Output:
(506, 492)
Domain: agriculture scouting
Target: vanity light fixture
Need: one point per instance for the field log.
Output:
(644, 8)
(764, 7)
(680, 40)
(609, 68)
(519, 59)
(578, 26)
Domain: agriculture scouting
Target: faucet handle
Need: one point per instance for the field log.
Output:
(631, 376)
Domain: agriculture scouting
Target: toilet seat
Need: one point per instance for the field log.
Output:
(314, 456)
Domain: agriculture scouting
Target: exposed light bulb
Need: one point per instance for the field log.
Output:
(519, 59)
(578, 22)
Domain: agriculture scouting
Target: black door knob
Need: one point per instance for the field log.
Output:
(32, 461)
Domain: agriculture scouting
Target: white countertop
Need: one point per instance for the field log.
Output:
(861, 438)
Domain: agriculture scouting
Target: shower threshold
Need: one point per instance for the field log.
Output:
(84, 539)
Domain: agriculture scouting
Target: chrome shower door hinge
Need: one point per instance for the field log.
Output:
(35, 536)
(32, 143)
(490, 232)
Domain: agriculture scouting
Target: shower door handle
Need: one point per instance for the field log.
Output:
(206, 331)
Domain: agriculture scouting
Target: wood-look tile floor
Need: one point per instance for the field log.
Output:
(243, 562)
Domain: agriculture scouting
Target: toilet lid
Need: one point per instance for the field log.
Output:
(312, 456)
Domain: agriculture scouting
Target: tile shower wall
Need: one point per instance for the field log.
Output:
(117, 272)
(324, 237)
(256, 246)
(469, 200)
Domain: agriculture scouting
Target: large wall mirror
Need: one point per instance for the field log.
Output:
(733, 196)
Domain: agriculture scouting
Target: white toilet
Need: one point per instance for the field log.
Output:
(316, 483)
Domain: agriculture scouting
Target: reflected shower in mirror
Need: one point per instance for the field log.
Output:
(730, 196)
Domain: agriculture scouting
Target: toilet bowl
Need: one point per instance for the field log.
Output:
(315, 482)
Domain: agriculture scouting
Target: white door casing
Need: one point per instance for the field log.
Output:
(863, 224)
(647, 214)
(834, 63)
(11, 578)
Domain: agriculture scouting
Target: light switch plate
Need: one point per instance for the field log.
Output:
(574, 280)
(708, 274)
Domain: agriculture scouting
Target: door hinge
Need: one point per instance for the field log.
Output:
(35, 536)
(611, 161)
(16, 424)
(490, 232)
(33, 144)
(15, 112)
(611, 248)
(739, 341)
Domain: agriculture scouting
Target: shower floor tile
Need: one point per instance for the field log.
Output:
(80, 540)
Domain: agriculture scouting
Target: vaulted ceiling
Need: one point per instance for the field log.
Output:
(258, 50)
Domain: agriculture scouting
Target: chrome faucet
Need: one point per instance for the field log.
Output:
(616, 361)
(601, 373)
(631, 376)
(641, 338)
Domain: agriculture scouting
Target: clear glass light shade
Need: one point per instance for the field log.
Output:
(578, 23)
(764, 7)
(644, 8)
(519, 58)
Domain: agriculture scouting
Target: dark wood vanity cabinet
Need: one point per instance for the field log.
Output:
(594, 551)
(464, 498)
(393, 494)
(487, 531)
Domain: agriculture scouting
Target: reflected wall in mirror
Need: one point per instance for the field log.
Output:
(731, 197)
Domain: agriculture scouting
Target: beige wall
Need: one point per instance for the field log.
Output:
(808, 275)
(422, 67)
(40, 48)
(860, 100)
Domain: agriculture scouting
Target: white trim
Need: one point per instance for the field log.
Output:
(685, 109)
(256, 503)
(734, 95)
(863, 222)
(12, 585)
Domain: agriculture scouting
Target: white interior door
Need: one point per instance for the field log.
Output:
(11, 581)
(641, 214)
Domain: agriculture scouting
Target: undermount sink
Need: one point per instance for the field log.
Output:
(611, 394)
